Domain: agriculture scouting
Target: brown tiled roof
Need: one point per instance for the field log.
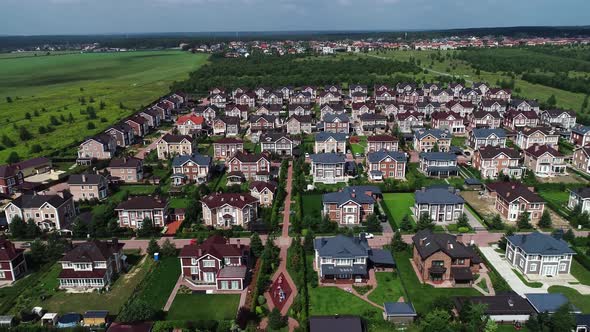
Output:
(34, 162)
(169, 138)
(446, 115)
(228, 140)
(92, 251)
(8, 171)
(538, 150)
(544, 130)
(125, 162)
(301, 118)
(513, 190)
(71, 274)
(36, 201)
(481, 114)
(487, 152)
(239, 200)
(215, 245)
(527, 114)
(381, 138)
(141, 203)
(260, 185)
(8, 251)
(250, 157)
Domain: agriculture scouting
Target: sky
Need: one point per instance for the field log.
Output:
(44, 17)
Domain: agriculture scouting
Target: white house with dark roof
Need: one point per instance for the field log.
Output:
(480, 137)
(439, 164)
(336, 123)
(330, 142)
(444, 205)
(278, 143)
(540, 135)
(564, 119)
(539, 254)
(579, 196)
(328, 167)
(426, 139)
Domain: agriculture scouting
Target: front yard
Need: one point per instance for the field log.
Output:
(398, 205)
(158, 285)
(389, 288)
(201, 306)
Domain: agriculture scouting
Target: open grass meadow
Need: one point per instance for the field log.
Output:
(50, 88)
(201, 306)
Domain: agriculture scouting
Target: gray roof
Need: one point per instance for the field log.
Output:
(342, 246)
(381, 256)
(335, 323)
(399, 309)
(36, 201)
(438, 133)
(375, 157)
(354, 269)
(332, 117)
(486, 132)
(548, 302)
(438, 156)
(539, 243)
(360, 196)
(198, 159)
(324, 136)
(434, 195)
(75, 179)
(582, 192)
(581, 129)
(328, 158)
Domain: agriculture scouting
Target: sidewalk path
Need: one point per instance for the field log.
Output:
(173, 293)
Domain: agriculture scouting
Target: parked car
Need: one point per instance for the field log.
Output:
(368, 235)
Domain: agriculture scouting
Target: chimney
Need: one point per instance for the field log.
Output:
(83, 178)
(239, 243)
(421, 242)
(510, 303)
(449, 245)
(353, 193)
(459, 237)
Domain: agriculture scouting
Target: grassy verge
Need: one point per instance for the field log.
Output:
(532, 284)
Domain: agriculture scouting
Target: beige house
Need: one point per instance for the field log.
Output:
(299, 124)
(128, 169)
(264, 191)
(174, 145)
(540, 135)
(330, 142)
(88, 186)
(544, 161)
(224, 210)
(99, 147)
(426, 140)
(50, 212)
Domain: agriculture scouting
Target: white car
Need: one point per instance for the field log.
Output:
(368, 235)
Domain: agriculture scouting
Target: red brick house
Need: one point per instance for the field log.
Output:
(451, 121)
(351, 205)
(249, 166)
(12, 261)
(10, 179)
(515, 119)
(581, 158)
(492, 161)
(216, 263)
(127, 169)
(580, 135)
(91, 264)
(514, 198)
(386, 165)
(441, 257)
(262, 122)
(226, 148)
(139, 124)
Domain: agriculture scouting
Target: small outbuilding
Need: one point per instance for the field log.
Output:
(6, 321)
(335, 323)
(399, 312)
(49, 319)
(69, 320)
(96, 317)
(549, 303)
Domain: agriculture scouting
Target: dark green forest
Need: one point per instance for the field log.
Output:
(260, 70)
(560, 81)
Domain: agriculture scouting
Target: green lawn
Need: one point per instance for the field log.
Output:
(67, 84)
(333, 300)
(422, 295)
(532, 284)
(177, 202)
(577, 299)
(62, 302)
(133, 190)
(580, 272)
(389, 288)
(204, 306)
(160, 282)
(458, 141)
(312, 205)
(399, 205)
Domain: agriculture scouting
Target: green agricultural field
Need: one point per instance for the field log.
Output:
(57, 86)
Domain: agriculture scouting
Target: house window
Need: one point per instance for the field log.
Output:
(208, 263)
(235, 284)
(562, 267)
(521, 263)
(438, 263)
(194, 270)
(2, 275)
(533, 267)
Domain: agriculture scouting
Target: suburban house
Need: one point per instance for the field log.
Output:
(544, 161)
(190, 124)
(441, 96)
(493, 106)
(262, 123)
(194, 168)
(516, 120)
(351, 205)
(579, 196)
(49, 212)
(99, 147)
(237, 111)
(174, 145)
(122, 133)
(12, 261)
(301, 98)
(273, 98)
(356, 88)
(328, 167)
(88, 186)
(218, 100)
(524, 105)
(563, 119)
(402, 313)
(226, 126)
(507, 308)
(372, 123)
(385, 164)
(91, 264)
(326, 97)
(34, 166)
(408, 121)
(514, 198)
(224, 210)
(580, 135)
(299, 124)
(426, 139)
(139, 124)
(226, 148)
(134, 210)
(216, 263)
(539, 254)
(443, 205)
(384, 95)
(127, 169)
(300, 110)
(499, 94)
(541, 135)
(480, 137)
(336, 123)
(442, 257)
(278, 144)
(249, 166)
(11, 177)
(361, 108)
(264, 191)
(492, 161)
(483, 119)
(580, 159)
(462, 108)
(152, 117)
(333, 109)
(439, 164)
(330, 142)
(450, 121)
(342, 257)
(382, 142)
(428, 108)
(246, 98)
(207, 112)
(269, 109)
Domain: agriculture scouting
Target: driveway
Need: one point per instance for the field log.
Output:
(473, 222)
(505, 270)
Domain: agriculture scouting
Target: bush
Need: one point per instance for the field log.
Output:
(463, 229)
